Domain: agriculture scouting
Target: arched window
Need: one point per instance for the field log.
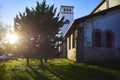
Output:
(97, 38)
(70, 42)
(67, 9)
(109, 39)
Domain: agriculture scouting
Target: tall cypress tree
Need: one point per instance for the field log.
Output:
(40, 29)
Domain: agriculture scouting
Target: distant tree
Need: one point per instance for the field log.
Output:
(40, 28)
(3, 30)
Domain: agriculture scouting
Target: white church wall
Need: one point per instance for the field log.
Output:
(89, 26)
(109, 21)
(68, 13)
(69, 17)
(88, 34)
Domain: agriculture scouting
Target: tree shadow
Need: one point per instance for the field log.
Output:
(54, 72)
(36, 74)
(111, 64)
(83, 72)
(2, 71)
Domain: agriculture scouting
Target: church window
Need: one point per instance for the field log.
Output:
(67, 21)
(109, 39)
(67, 9)
(97, 38)
(70, 42)
(74, 39)
(70, 10)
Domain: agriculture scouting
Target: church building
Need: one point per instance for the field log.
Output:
(95, 37)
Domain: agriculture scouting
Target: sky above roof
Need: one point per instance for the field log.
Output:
(10, 8)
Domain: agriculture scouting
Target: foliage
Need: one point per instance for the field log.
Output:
(3, 30)
(40, 27)
(2, 71)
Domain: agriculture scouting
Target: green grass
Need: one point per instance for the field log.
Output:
(59, 69)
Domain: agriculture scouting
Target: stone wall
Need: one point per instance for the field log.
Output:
(72, 54)
(99, 54)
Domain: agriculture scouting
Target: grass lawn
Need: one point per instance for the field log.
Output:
(59, 69)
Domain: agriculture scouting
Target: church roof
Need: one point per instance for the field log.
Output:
(67, 6)
(98, 6)
(82, 19)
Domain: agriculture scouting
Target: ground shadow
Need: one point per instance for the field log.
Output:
(37, 74)
(83, 72)
(54, 72)
(111, 64)
(2, 71)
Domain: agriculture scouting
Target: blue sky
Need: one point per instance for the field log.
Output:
(10, 8)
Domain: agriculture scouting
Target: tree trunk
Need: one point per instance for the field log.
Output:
(45, 60)
(27, 61)
(41, 62)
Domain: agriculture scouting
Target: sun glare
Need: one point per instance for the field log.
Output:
(13, 38)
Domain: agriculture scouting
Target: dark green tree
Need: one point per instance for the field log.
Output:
(40, 29)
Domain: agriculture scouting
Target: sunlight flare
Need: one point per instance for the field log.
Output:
(13, 38)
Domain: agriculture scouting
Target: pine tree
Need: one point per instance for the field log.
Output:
(40, 29)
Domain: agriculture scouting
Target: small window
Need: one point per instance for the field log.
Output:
(64, 9)
(109, 39)
(67, 9)
(67, 21)
(70, 10)
(97, 39)
(74, 39)
(70, 42)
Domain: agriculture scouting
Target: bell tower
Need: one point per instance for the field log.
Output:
(68, 13)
